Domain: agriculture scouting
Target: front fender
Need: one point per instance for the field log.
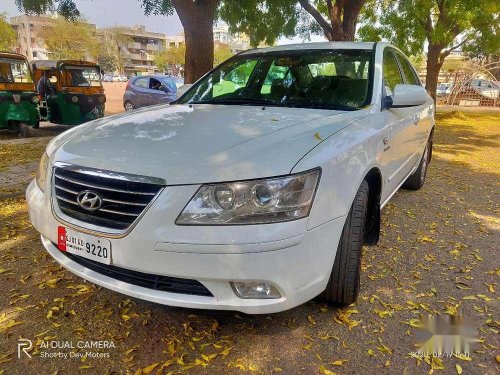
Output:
(345, 159)
(17, 113)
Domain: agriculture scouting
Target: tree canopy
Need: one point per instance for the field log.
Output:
(172, 57)
(222, 52)
(444, 25)
(70, 39)
(7, 34)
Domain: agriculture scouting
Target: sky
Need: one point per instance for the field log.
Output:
(114, 12)
(127, 13)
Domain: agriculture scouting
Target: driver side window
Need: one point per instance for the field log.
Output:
(392, 75)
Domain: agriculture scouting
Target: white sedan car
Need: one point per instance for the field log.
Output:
(254, 191)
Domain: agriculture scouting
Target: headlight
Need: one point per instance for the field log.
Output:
(263, 201)
(41, 172)
(35, 99)
(74, 99)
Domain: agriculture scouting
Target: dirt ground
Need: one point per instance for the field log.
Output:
(438, 255)
(114, 96)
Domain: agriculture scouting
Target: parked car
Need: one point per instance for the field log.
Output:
(254, 200)
(119, 78)
(149, 90)
(444, 89)
(107, 78)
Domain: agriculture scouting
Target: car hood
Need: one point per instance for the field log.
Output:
(201, 143)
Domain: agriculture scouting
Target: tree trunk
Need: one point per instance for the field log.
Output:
(434, 64)
(197, 18)
(343, 17)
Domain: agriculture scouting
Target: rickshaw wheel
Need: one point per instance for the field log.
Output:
(24, 130)
(12, 126)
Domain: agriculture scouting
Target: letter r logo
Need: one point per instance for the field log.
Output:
(25, 345)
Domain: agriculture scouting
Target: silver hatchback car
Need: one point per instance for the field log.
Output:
(143, 91)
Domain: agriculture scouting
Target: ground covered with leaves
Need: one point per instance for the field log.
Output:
(438, 255)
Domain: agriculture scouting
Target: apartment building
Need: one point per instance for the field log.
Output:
(137, 47)
(28, 41)
(27, 28)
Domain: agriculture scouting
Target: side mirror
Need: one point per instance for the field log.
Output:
(407, 96)
(181, 90)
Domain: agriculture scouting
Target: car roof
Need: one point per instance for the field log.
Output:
(12, 55)
(47, 64)
(312, 46)
(157, 76)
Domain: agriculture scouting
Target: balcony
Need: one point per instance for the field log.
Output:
(154, 47)
(134, 45)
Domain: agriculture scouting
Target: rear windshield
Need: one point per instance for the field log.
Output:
(330, 79)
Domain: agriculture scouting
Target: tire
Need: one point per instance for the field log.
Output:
(129, 106)
(37, 125)
(343, 286)
(417, 179)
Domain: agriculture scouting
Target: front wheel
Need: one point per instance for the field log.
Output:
(416, 180)
(343, 286)
(129, 106)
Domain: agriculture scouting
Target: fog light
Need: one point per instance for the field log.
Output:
(255, 290)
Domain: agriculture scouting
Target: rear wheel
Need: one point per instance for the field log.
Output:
(129, 106)
(343, 286)
(24, 130)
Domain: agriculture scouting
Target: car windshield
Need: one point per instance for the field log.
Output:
(330, 79)
(81, 76)
(14, 71)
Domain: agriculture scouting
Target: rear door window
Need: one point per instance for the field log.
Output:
(411, 77)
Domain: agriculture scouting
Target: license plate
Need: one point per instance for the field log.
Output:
(84, 245)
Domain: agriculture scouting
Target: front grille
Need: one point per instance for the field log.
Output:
(156, 282)
(123, 199)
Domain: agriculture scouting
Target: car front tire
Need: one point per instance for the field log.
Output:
(417, 179)
(343, 286)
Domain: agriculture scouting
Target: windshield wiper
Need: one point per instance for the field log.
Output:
(305, 104)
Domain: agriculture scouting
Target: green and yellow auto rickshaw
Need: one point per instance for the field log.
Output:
(70, 91)
(18, 98)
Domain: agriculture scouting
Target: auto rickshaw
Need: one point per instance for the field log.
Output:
(18, 98)
(70, 91)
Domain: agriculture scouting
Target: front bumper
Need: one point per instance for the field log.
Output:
(296, 260)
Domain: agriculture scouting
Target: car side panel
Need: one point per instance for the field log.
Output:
(345, 158)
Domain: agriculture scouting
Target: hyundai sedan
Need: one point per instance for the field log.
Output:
(254, 191)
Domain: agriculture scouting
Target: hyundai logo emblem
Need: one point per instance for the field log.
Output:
(89, 200)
